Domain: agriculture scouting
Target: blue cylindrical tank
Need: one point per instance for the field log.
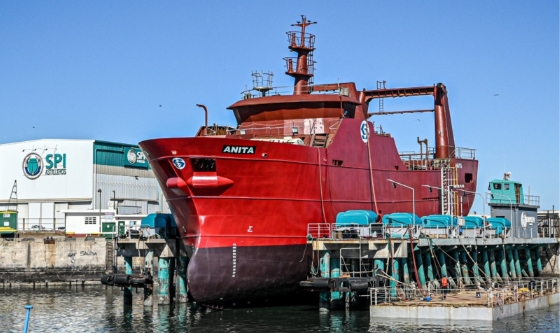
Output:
(359, 217)
(473, 222)
(439, 221)
(401, 219)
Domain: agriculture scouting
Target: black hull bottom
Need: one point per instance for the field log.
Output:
(222, 277)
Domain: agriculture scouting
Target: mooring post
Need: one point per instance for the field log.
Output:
(538, 257)
(128, 290)
(163, 281)
(465, 268)
(182, 278)
(325, 269)
(148, 269)
(511, 263)
(529, 262)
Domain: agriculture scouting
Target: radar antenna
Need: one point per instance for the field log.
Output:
(262, 82)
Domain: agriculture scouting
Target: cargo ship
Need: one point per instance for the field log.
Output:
(243, 196)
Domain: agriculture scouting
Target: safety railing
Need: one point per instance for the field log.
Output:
(532, 200)
(549, 232)
(491, 296)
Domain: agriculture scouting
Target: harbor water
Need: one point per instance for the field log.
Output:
(99, 309)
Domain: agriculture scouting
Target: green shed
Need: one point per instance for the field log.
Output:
(8, 222)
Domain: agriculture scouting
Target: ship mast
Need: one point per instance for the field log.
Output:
(304, 47)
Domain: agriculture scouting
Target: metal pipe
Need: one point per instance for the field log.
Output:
(27, 314)
(205, 118)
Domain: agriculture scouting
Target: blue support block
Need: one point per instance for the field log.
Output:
(183, 262)
(127, 295)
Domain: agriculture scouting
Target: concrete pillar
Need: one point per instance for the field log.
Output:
(429, 268)
(395, 276)
(406, 274)
(538, 257)
(465, 268)
(517, 264)
(529, 262)
(420, 267)
(337, 298)
(486, 265)
(183, 262)
(325, 268)
(503, 265)
(493, 269)
(511, 264)
(163, 281)
(148, 268)
(441, 258)
(457, 267)
(475, 269)
(128, 290)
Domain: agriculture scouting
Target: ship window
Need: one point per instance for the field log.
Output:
(203, 164)
(497, 186)
(506, 187)
(337, 162)
(468, 178)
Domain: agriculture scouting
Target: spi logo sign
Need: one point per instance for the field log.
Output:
(56, 164)
(32, 166)
(134, 157)
(364, 131)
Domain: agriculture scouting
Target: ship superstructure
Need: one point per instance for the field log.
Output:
(242, 197)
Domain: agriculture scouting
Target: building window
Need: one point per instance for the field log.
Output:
(91, 220)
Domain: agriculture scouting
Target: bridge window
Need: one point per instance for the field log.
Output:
(506, 187)
(337, 162)
(468, 178)
(497, 186)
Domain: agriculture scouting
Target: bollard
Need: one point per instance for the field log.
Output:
(182, 278)
(128, 290)
(27, 314)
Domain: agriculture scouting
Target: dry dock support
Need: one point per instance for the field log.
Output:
(182, 264)
(128, 290)
(529, 262)
(148, 289)
(464, 268)
(164, 275)
(325, 267)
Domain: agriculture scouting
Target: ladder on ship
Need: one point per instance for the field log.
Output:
(449, 197)
(319, 140)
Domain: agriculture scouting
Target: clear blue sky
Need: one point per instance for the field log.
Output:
(101, 69)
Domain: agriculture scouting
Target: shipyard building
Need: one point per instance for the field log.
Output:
(76, 185)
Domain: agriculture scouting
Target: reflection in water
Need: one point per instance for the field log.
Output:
(100, 309)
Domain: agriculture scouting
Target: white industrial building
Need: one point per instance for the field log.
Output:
(76, 184)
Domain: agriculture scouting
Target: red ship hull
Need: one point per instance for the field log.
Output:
(245, 223)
